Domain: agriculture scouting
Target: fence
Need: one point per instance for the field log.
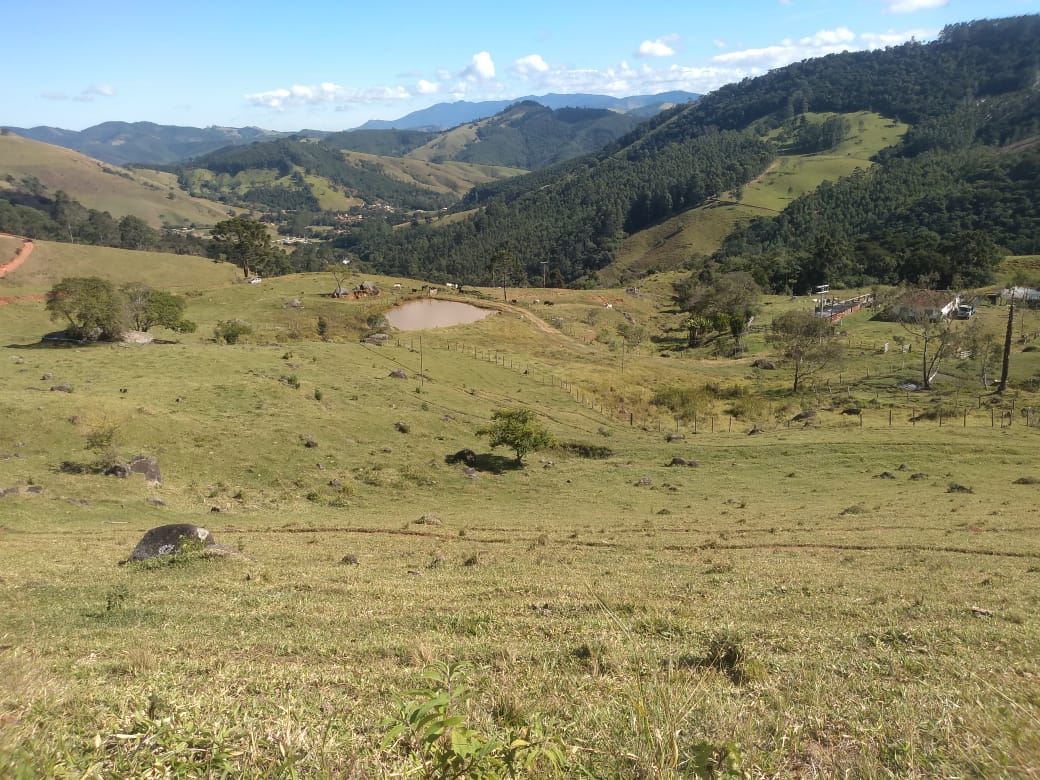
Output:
(897, 409)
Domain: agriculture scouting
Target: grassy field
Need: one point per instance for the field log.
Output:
(149, 195)
(848, 597)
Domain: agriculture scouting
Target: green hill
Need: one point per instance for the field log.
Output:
(968, 99)
(153, 197)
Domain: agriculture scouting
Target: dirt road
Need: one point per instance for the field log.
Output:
(20, 256)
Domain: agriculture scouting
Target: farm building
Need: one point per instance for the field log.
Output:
(923, 304)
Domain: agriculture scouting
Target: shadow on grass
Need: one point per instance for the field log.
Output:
(496, 464)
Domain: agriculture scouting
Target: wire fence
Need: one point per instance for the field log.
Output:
(897, 407)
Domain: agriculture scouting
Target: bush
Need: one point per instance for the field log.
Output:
(230, 331)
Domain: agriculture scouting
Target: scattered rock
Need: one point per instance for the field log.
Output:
(11, 491)
(955, 488)
(35, 489)
(644, 482)
(147, 465)
(902, 467)
(61, 388)
(471, 472)
(549, 464)
(855, 509)
(428, 519)
(171, 539)
(402, 427)
(886, 475)
(154, 501)
(674, 437)
(765, 365)
(398, 373)
(467, 457)
(377, 339)
(121, 470)
(349, 560)
(47, 377)
(805, 414)
(137, 337)
(918, 476)
(1027, 481)
(755, 430)
(682, 462)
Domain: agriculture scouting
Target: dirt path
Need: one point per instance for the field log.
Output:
(19, 257)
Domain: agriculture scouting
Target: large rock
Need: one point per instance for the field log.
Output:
(171, 539)
(143, 464)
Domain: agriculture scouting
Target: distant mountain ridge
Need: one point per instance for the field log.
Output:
(443, 116)
(123, 143)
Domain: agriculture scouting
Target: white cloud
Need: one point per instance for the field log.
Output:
(300, 96)
(481, 68)
(87, 95)
(424, 87)
(790, 50)
(910, 6)
(532, 63)
(658, 48)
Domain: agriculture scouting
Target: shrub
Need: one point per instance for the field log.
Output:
(230, 331)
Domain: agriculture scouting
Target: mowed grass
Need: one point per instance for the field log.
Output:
(877, 583)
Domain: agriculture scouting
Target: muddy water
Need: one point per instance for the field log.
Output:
(427, 314)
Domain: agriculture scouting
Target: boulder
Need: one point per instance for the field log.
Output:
(169, 540)
(466, 457)
(398, 373)
(143, 464)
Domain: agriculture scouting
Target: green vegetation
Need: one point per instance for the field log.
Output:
(842, 590)
(516, 429)
(94, 310)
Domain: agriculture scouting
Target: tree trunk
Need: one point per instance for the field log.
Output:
(1006, 362)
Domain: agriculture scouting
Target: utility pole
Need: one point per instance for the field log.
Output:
(545, 272)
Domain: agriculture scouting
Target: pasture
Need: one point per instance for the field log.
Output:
(848, 597)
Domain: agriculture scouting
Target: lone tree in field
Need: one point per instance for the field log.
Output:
(92, 306)
(806, 340)
(515, 428)
(244, 242)
(148, 308)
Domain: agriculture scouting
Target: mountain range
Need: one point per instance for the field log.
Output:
(123, 143)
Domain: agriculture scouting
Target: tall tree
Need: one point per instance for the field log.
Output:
(806, 340)
(244, 242)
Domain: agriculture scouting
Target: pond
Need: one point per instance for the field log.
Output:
(430, 313)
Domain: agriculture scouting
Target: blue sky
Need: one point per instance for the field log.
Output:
(332, 65)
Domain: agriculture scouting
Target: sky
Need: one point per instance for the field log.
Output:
(333, 64)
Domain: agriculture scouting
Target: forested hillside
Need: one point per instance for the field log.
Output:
(218, 175)
(967, 166)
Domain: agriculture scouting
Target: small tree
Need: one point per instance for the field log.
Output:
(92, 306)
(806, 340)
(148, 308)
(515, 428)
